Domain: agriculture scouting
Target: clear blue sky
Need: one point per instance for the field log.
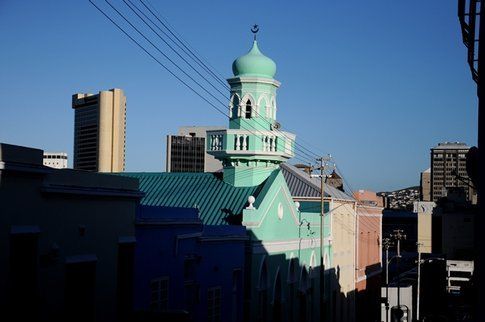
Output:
(374, 83)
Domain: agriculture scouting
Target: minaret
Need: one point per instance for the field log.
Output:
(253, 146)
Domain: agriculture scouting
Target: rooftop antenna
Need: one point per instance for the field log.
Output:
(255, 30)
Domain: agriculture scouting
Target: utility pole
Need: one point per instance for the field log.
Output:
(398, 236)
(386, 242)
(419, 281)
(323, 164)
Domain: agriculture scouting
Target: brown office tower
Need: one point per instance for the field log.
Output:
(99, 131)
(448, 171)
(186, 152)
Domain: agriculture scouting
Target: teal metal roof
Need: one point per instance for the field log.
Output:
(219, 203)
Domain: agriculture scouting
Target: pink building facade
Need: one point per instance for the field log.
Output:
(368, 261)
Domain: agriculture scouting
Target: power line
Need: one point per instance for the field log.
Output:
(198, 60)
(201, 63)
(190, 65)
(130, 5)
(166, 68)
(191, 54)
(159, 62)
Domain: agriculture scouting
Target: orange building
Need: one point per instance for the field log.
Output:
(369, 261)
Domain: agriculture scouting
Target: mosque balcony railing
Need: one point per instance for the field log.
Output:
(469, 17)
(237, 141)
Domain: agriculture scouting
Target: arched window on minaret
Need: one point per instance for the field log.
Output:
(263, 106)
(273, 106)
(233, 113)
(248, 109)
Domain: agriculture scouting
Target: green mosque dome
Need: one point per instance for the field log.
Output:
(254, 63)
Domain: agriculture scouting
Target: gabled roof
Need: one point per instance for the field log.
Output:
(301, 185)
(219, 203)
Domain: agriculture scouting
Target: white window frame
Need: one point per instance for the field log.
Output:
(214, 309)
(159, 295)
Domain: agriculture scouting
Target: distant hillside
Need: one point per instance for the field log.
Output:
(401, 199)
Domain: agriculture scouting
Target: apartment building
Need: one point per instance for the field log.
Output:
(57, 160)
(448, 170)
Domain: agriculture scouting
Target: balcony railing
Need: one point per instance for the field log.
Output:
(241, 142)
(216, 142)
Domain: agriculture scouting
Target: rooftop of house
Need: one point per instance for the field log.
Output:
(301, 185)
(217, 202)
(154, 214)
(24, 160)
(170, 217)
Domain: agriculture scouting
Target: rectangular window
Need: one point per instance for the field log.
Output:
(236, 286)
(236, 280)
(23, 272)
(214, 304)
(191, 296)
(189, 268)
(159, 293)
(124, 291)
(80, 282)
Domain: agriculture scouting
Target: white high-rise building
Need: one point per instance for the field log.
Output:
(56, 160)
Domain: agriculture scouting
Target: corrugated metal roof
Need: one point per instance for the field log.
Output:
(219, 203)
(301, 185)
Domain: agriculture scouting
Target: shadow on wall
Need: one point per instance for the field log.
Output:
(453, 225)
(278, 288)
(367, 302)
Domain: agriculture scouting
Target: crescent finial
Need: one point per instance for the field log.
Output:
(255, 30)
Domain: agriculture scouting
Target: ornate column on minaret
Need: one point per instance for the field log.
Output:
(254, 145)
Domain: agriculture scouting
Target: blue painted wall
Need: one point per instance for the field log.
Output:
(167, 238)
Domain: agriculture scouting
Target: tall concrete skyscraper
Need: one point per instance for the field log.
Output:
(448, 170)
(99, 131)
